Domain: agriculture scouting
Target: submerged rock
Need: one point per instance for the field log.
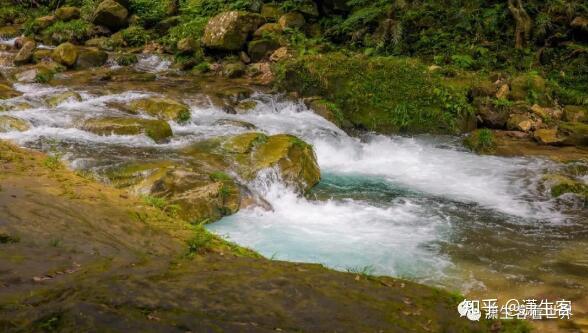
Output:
(8, 124)
(158, 130)
(228, 31)
(560, 185)
(7, 92)
(162, 108)
(56, 99)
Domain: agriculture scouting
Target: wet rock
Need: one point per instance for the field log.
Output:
(111, 14)
(574, 113)
(260, 49)
(67, 13)
(56, 99)
(547, 136)
(267, 29)
(7, 92)
(574, 134)
(228, 31)
(245, 106)
(292, 20)
(235, 123)
(125, 59)
(65, 54)
(321, 107)
(90, 57)
(9, 124)
(25, 54)
(234, 95)
(481, 141)
(162, 108)
(546, 113)
(102, 43)
(40, 73)
(234, 70)
(244, 143)
(560, 185)
(158, 130)
(271, 12)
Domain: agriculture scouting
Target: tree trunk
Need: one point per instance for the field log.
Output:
(523, 22)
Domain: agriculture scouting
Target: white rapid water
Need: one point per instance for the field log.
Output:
(430, 185)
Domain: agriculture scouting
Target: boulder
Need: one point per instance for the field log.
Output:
(158, 130)
(271, 12)
(267, 29)
(519, 122)
(261, 48)
(102, 43)
(292, 20)
(574, 113)
(525, 85)
(44, 22)
(547, 136)
(293, 158)
(41, 55)
(229, 31)
(503, 92)
(25, 54)
(9, 32)
(125, 59)
(9, 124)
(574, 134)
(56, 99)
(111, 14)
(40, 73)
(90, 57)
(67, 13)
(186, 45)
(560, 185)
(65, 54)
(161, 108)
(235, 123)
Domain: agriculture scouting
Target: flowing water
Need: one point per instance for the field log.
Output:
(421, 208)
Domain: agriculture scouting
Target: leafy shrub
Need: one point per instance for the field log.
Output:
(76, 30)
(136, 35)
(481, 141)
(201, 242)
(149, 11)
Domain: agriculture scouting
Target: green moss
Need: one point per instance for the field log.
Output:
(162, 204)
(150, 12)
(136, 35)
(72, 31)
(385, 94)
(125, 59)
(201, 242)
(481, 141)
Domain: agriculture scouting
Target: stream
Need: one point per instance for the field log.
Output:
(421, 208)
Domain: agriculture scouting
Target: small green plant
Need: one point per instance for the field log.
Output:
(162, 204)
(53, 162)
(44, 76)
(364, 271)
(136, 35)
(71, 31)
(219, 176)
(481, 141)
(201, 242)
(462, 61)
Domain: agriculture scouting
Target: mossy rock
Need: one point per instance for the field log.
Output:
(7, 92)
(162, 108)
(262, 48)
(111, 14)
(126, 59)
(530, 86)
(560, 185)
(481, 141)
(90, 57)
(295, 159)
(575, 113)
(519, 122)
(235, 123)
(42, 23)
(66, 54)
(292, 20)
(271, 12)
(244, 143)
(547, 136)
(25, 54)
(103, 43)
(574, 134)
(67, 13)
(42, 55)
(56, 99)
(268, 29)
(9, 32)
(229, 31)
(186, 45)
(39, 73)
(8, 124)
(158, 130)
(234, 70)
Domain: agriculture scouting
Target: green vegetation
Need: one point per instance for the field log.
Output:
(53, 162)
(201, 242)
(162, 204)
(362, 89)
(481, 141)
(72, 31)
(136, 35)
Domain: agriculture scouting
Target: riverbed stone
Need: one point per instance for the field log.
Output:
(262, 48)
(25, 54)
(547, 136)
(90, 57)
(575, 113)
(65, 54)
(110, 14)
(7, 91)
(228, 31)
(42, 55)
(574, 133)
(56, 99)
(9, 31)
(519, 122)
(158, 130)
(162, 108)
(561, 184)
(8, 124)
